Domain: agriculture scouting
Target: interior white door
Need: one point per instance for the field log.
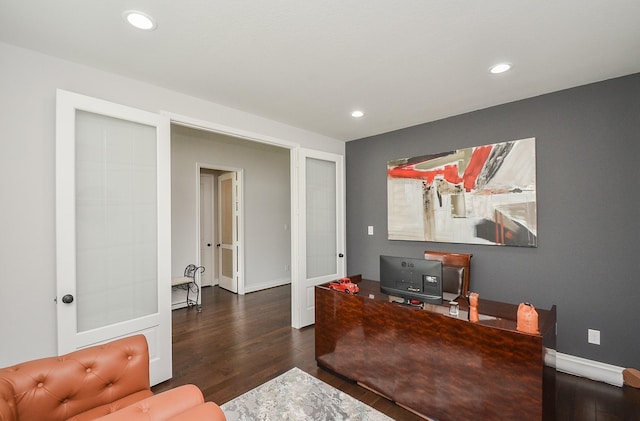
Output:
(228, 231)
(113, 227)
(318, 253)
(206, 229)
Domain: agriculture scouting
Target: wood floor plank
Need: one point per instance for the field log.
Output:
(240, 342)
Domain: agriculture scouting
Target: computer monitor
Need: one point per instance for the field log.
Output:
(411, 278)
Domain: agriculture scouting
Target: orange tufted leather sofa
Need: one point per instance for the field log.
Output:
(109, 382)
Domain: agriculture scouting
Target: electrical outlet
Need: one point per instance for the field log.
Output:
(593, 336)
(370, 230)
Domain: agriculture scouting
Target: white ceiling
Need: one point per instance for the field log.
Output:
(310, 63)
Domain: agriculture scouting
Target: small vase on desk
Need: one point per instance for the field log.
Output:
(473, 307)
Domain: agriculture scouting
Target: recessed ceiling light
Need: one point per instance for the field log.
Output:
(140, 20)
(500, 68)
(357, 114)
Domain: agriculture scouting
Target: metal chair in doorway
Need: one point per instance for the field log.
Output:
(190, 284)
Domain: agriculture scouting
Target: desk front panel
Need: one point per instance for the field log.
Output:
(438, 365)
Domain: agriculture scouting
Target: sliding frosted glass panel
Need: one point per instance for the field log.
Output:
(321, 217)
(116, 220)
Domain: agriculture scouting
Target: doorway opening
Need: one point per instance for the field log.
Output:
(254, 180)
(221, 228)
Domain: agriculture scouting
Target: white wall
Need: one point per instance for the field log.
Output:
(267, 201)
(28, 83)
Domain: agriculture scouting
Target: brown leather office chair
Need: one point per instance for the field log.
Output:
(455, 270)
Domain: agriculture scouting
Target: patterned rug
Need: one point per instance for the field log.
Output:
(296, 395)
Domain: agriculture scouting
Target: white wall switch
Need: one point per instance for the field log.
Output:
(370, 230)
(593, 336)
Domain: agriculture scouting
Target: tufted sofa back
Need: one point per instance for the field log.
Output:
(59, 388)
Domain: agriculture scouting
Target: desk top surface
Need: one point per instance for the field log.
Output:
(491, 313)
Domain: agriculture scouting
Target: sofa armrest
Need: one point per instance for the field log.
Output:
(207, 411)
(163, 406)
(7, 402)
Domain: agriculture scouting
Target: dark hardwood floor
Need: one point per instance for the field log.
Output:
(239, 342)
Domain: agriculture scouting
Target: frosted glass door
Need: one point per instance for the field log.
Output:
(319, 250)
(113, 227)
(228, 231)
(321, 218)
(116, 220)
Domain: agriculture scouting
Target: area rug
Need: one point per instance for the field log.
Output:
(296, 395)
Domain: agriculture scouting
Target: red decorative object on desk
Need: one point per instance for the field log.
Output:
(473, 307)
(344, 284)
(527, 319)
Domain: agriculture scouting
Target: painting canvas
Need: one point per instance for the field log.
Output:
(479, 195)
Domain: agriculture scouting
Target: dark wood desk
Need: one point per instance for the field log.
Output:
(435, 364)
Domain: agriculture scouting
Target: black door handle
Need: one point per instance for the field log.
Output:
(340, 255)
(208, 244)
(67, 299)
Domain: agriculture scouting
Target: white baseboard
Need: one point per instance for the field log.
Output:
(582, 367)
(267, 285)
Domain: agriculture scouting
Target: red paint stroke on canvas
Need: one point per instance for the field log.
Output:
(449, 172)
(478, 159)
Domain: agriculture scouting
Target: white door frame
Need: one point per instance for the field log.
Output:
(240, 198)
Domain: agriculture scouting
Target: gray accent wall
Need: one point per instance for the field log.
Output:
(587, 261)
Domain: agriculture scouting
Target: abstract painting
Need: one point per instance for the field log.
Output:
(479, 195)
